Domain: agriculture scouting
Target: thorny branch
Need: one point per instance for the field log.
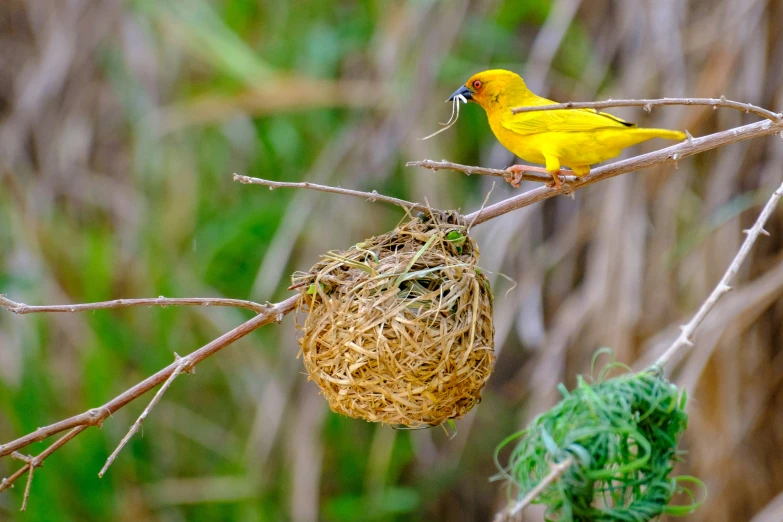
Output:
(671, 154)
(96, 416)
(649, 104)
(752, 234)
(21, 308)
(34, 462)
(182, 366)
(274, 312)
(371, 196)
(482, 171)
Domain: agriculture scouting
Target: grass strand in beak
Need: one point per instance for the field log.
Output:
(454, 110)
(454, 116)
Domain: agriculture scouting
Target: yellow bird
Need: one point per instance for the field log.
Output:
(574, 138)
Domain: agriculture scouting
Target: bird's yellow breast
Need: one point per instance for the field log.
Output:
(528, 147)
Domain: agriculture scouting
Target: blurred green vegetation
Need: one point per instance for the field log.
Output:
(180, 227)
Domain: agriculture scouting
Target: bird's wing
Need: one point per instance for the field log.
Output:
(569, 120)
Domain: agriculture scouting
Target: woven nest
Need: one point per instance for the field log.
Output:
(622, 435)
(398, 329)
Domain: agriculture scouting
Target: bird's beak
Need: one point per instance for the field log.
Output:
(462, 91)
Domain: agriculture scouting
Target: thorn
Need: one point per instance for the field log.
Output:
(763, 232)
(723, 98)
(187, 368)
(688, 135)
(726, 288)
(648, 108)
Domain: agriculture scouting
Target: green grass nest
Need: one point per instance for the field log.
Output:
(622, 435)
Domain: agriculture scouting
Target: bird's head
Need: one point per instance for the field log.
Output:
(495, 88)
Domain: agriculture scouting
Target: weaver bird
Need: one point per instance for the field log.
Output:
(574, 138)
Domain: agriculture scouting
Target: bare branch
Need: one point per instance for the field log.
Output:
(669, 154)
(556, 472)
(96, 416)
(482, 171)
(27, 488)
(31, 466)
(21, 308)
(36, 462)
(372, 196)
(648, 104)
(686, 335)
(137, 424)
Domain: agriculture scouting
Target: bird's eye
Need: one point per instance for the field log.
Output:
(477, 84)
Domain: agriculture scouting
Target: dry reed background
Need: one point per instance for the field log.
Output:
(120, 124)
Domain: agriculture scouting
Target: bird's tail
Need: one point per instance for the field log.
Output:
(659, 133)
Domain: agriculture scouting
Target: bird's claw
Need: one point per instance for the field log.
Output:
(557, 181)
(515, 172)
(513, 177)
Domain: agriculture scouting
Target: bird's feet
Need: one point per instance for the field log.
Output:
(514, 176)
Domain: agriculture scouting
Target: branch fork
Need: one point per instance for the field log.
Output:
(267, 313)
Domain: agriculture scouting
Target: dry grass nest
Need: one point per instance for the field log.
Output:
(398, 329)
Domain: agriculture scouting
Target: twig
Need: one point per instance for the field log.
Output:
(27, 488)
(650, 103)
(96, 416)
(669, 154)
(556, 472)
(21, 308)
(31, 465)
(372, 196)
(35, 462)
(482, 171)
(137, 424)
(686, 335)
